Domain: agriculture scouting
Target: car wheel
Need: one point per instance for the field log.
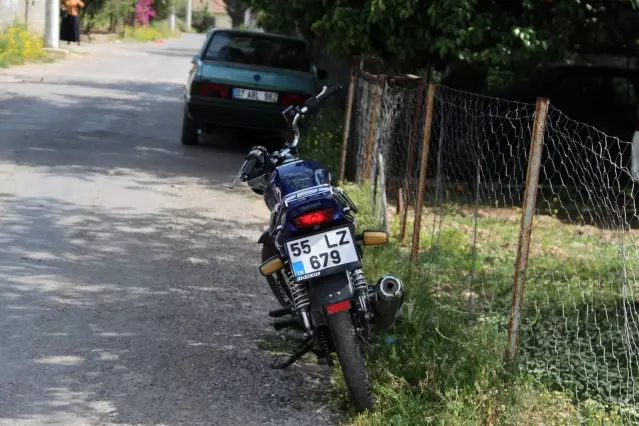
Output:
(190, 134)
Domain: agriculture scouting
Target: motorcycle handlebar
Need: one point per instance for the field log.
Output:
(313, 103)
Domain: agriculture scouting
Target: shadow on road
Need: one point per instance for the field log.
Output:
(116, 316)
(136, 127)
(125, 318)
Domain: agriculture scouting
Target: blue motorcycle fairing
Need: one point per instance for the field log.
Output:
(294, 176)
(286, 231)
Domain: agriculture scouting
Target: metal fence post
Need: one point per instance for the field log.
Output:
(525, 232)
(423, 170)
(374, 113)
(347, 122)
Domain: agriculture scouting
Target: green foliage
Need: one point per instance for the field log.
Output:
(496, 33)
(202, 20)
(322, 138)
(445, 366)
(104, 15)
(19, 45)
(235, 9)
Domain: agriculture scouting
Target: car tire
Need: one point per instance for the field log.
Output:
(190, 134)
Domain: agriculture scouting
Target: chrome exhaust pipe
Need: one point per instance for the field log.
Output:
(389, 287)
(387, 299)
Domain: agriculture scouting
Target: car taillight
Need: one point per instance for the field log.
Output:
(313, 218)
(289, 99)
(214, 90)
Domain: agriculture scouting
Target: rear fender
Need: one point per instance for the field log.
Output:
(327, 291)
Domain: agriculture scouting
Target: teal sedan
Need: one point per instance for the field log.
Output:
(244, 79)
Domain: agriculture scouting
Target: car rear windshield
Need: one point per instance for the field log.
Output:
(252, 49)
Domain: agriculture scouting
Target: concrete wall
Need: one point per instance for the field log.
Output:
(33, 12)
(223, 21)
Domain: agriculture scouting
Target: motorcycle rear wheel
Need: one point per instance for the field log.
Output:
(351, 359)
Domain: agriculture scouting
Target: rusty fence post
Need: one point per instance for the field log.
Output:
(374, 113)
(423, 170)
(410, 160)
(526, 227)
(347, 122)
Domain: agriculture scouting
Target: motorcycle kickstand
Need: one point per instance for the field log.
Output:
(306, 347)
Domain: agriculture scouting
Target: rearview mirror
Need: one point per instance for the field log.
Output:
(195, 59)
(322, 74)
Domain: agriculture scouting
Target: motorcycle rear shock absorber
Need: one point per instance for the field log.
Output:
(361, 290)
(301, 301)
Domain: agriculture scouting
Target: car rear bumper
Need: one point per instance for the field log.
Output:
(229, 113)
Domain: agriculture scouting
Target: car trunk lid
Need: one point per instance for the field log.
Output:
(258, 78)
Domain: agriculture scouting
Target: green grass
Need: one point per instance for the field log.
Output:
(446, 367)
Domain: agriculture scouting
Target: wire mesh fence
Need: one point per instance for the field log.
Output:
(581, 328)
(578, 329)
(380, 202)
(477, 176)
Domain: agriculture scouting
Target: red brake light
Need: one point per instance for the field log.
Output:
(214, 90)
(338, 307)
(313, 218)
(293, 99)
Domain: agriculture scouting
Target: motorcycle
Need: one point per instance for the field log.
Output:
(312, 258)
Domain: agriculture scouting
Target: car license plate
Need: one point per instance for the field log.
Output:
(323, 254)
(254, 95)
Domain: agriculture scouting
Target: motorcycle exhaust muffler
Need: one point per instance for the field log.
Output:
(387, 297)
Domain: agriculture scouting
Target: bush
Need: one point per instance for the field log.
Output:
(155, 31)
(18, 45)
(202, 21)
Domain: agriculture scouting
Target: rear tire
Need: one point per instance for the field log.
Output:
(190, 134)
(351, 359)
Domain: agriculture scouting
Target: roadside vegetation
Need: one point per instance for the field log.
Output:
(443, 364)
(152, 32)
(18, 45)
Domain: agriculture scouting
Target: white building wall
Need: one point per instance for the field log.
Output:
(33, 12)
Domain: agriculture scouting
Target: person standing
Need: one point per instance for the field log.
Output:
(70, 30)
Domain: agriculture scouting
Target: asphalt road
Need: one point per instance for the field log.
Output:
(129, 293)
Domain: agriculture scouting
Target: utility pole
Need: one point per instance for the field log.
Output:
(172, 19)
(189, 13)
(52, 24)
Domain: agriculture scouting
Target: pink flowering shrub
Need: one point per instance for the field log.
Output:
(144, 12)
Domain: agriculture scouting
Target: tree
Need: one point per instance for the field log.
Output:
(235, 9)
(413, 34)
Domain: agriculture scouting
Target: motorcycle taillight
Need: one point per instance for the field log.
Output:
(315, 217)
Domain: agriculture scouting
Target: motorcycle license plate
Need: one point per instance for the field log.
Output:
(324, 253)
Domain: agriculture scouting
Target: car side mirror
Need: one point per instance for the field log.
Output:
(322, 74)
(195, 59)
